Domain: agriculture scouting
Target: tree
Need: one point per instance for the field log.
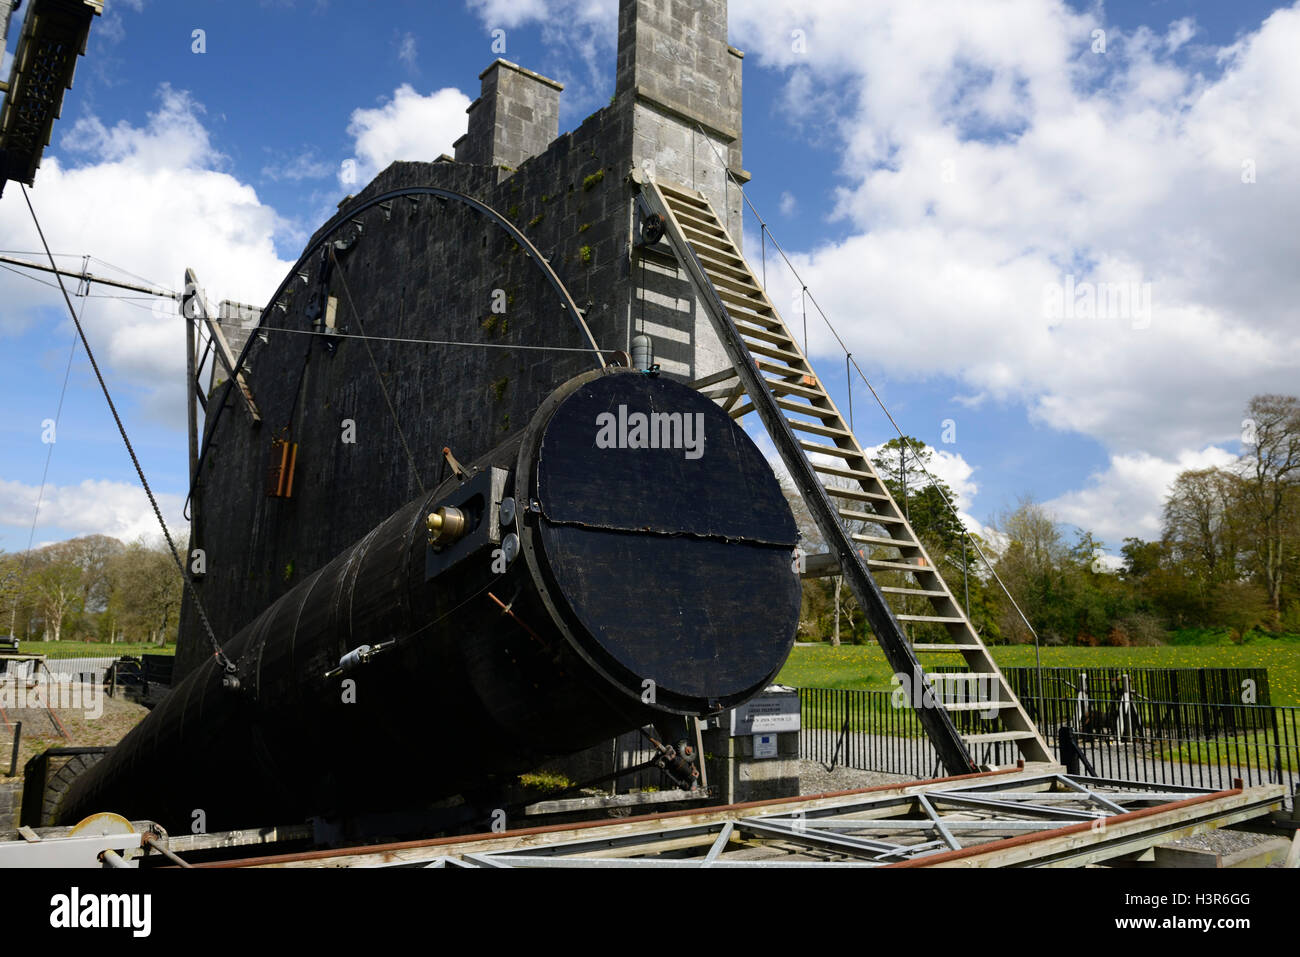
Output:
(146, 581)
(55, 584)
(1271, 469)
(92, 554)
(1202, 523)
(903, 465)
(11, 589)
(1031, 565)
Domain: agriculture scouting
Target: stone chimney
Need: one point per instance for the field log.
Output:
(682, 82)
(516, 117)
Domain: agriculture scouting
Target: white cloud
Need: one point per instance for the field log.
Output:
(304, 165)
(152, 200)
(406, 50)
(92, 507)
(408, 127)
(788, 203)
(504, 14)
(579, 37)
(988, 153)
(1127, 498)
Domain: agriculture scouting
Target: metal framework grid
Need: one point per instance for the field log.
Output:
(1036, 820)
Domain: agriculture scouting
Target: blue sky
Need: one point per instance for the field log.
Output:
(930, 166)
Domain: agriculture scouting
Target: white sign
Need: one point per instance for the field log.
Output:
(776, 709)
(765, 745)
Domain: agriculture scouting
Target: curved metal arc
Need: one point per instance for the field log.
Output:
(346, 216)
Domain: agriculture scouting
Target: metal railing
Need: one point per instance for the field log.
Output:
(1185, 743)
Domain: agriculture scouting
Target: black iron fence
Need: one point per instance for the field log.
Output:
(1211, 686)
(1166, 742)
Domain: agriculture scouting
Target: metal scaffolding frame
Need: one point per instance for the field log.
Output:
(976, 821)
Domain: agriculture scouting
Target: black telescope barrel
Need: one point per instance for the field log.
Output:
(641, 567)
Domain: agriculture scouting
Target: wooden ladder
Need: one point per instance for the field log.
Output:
(771, 375)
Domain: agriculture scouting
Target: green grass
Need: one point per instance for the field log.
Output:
(91, 649)
(1249, 752)
(864, 666)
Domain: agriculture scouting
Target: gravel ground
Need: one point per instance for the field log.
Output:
(815, 779)
(116, 716)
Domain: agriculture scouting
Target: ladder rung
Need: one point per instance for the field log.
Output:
(870, 517)
(744, 301)
(857, 495)
(940, 619)
(717, 263)
(819, 449)
(976, 705)
(700, 218)
(826, 415)
(720, 244)
(745, 287)
(927, 592)
(946, 649)
(701, 234)
(848, 473)
(996, 736)
(888, 542)
(786, 375)
(747, 310)
(740, 411)
(818, 428)
(792, 359)
(766, 333)
(899, 566)
(791, 388)
(677, 195)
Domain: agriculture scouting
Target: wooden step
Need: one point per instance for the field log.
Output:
(857, 474)
(714, 244)
(749, 310)
(792, 359)
(887, 542)
(700, 219)
(716, 263)
(937, 619)
(675, 192)
(975, 705)
(823, 413)
(818, 449)
(699, 235)
(873, 518)
(924, 592)
(766, 333)
(818, 428)
(744, 287)
(899, 566)
(857, 495)
(731, 297)
(994, 737)
(944, 649)
(791, 388)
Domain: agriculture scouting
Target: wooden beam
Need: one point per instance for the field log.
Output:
(199, 310)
